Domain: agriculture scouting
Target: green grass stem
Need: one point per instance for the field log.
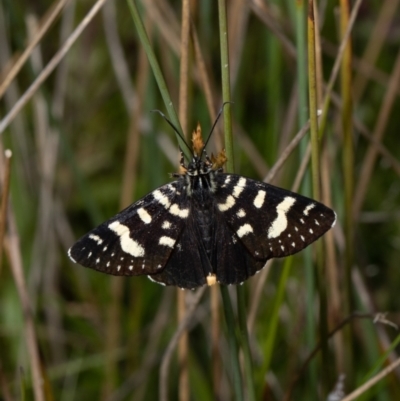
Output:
(158, 75)
(232, 340)
(244, 336)
(315, 174)
(303, 116)
(232, 344)
(348, 175)
(274, 317)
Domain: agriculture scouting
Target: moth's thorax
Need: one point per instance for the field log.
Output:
(200, 179)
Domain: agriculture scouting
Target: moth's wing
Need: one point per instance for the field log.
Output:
(138, 240)
(188, 265)
(232, 260)
(271, 222)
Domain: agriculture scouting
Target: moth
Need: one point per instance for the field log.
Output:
(207, 226)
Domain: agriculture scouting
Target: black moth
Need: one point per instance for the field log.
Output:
(205, 227)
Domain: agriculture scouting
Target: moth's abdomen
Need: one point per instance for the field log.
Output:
(204, 219)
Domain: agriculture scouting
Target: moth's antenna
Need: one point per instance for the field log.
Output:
(174, 128)
(215, 123)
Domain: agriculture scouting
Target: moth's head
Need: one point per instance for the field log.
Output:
(201, 164)
(199, 167)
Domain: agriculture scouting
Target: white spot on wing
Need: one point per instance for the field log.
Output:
(167, 241)
(166, 225)
(128, 245)
(96, 238)
(280, 223)
(259, 199)
(161, 198)
(226, 182)
(244, 230)
(302, 238)
(239, 187)
(311, 231)
(230, 201)
(308, 208)
(241, 213)
(176, 211)
(144, 215)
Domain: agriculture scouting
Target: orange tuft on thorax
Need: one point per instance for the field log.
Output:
(182, 170)
(219, 160)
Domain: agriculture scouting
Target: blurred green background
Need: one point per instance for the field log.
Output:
(86, 145)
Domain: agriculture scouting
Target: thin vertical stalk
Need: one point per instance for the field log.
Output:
(334, 299)
(226, 95)
(335, 69)
(4, 201)
(301, 63)
(112, 335)
(162, 85)
(183, 346)
(348, 176)
(15, 257)
(184, 66)
(315, 173)
(274, 318)
(215, 337)
(166, 359)
(313, 103)
(301, 48)
(232, 343)
(248, 363)
(226, 87)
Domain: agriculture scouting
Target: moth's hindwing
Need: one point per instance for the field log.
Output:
(271, 222)
(138, 240)
(188, 264)
(234, 263)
